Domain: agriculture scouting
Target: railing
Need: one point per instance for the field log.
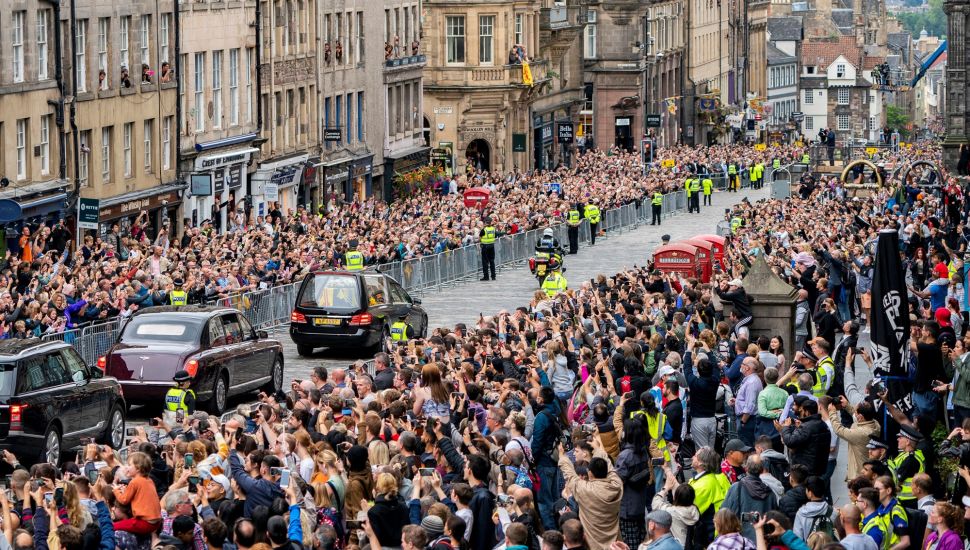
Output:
(271, 308)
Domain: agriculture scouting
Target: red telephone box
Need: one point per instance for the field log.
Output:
(679, 258)
(704, 257)
(718, 244)
(477, 197)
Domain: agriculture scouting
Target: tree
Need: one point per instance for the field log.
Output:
(931, 18)
(897, 119)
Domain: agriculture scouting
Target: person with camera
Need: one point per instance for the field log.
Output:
(773, 530)
(545, 436)
(864, 426)
(599, 496)
(750, 496)
(634, 467)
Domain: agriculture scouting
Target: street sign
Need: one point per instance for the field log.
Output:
(653, 121)
(88, 213)
(331, 134)
(518, 143)
(759, 147)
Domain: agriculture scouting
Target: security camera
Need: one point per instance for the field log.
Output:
(164, 202)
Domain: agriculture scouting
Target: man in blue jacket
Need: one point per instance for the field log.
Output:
(260, 491)
(545, 434)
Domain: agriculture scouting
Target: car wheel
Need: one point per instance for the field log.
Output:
(52, 446)
(275, 383)
(114, 432)
(304, 350)
(220, 393)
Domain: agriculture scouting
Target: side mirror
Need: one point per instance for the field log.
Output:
(261, 335)
(96, 373)
(416, 301)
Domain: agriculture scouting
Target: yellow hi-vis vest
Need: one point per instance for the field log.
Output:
(488, 237)
(710, 489)
(708, 185)
(688, 183)
(824, 375)
(178, 297)
(399, 331)
(175, 400)
(354, 261)
(776, 164)
(573, 218)
(886, 518)
(554, 284)
(695, 185)
(732, 169)
(906, 485)
(657, 200)
(592, 213)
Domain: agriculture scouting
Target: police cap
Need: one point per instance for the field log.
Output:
(181, 376)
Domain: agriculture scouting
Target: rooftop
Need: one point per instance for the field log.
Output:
(785, 28)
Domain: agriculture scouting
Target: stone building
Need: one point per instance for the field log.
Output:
(219, 118)
(34, 180)
(287, 82)
(119, 67)
(957, 104)
(783, 74)
(710, 75)
(477, 96)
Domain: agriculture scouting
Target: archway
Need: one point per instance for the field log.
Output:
(865, 163)
(478, 155)
(903, 172)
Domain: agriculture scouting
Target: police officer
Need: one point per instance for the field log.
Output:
(775, 167)
(656, 204)
(353, 259)
(486, 238)
(733, 182)
(708, 184)
(687, 189)
(909, 462)
(401, 331)
(554, 284)
(592, 213)
(805, 158)
(178, 297)
(180, 400)
(573, 219)
(664, 240)
(695, 194)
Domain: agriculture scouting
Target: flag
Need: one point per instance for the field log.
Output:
(671, 103)
(889, 322)
(526, 74)
(706, 104)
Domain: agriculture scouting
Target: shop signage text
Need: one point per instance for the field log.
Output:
(565, 132)
(87, 213)
(208, 163)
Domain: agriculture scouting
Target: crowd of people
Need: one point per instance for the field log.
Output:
(637, 410)
(46, 285)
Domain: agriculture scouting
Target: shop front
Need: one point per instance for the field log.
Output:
(217, 178)
(335, 176)
(398, 164)
(543, 142)
(278, 181)
(361, 177)
(31, 206)
(161, 204)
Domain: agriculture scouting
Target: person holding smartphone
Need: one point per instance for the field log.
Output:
(141, 495)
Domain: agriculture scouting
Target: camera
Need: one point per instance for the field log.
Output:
(750, 517)
(505, 500)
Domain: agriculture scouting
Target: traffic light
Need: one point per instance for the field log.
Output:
(647, 150)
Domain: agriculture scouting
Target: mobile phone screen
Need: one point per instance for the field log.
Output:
(285, 479)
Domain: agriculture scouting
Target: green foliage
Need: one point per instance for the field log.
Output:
(931, 18)
(898, 119)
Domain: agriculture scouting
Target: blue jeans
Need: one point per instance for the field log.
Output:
(746, 430)
(926, 403)
(549, 492)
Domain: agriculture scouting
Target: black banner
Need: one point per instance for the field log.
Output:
(889, 325)
(332, 134)
(565, 132)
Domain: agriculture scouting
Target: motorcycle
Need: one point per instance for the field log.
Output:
(541, 266)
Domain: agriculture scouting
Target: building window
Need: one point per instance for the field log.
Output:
(106, 155)
(104, 27)
(183, 68)
(163, 37)
(167, 143)
(518, 28)
(809, 123)
(17, 38)
(840, 70)
(486, 29)
(249, 85)
(589, 32)
(200, 92)
(233, 87)
(843, 96)
(872, 123)
(128, 129)
(43, 16)
(83, 158)
(809, 97)
(149, 130)
(359, 38)
(360, 117)
(350, 117)
(80, 55)
(123, 40)
(22, 149)
(146, 24)
(326, 119)
(455, 36)
(217, 89)
(45, 144)
(843, 122)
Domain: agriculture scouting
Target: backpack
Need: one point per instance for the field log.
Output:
(577, 409)
(649, 363)
(824, 523)
(917, 526)
(444, 542)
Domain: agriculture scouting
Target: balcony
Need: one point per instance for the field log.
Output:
(410, 61)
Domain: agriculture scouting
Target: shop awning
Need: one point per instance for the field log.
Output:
(225, 142)
(12, 210)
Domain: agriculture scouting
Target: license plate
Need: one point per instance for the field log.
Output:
(541, 269)
(325, 321)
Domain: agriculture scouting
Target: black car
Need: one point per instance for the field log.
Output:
(216, 345)
(51, 401)
(351, 309)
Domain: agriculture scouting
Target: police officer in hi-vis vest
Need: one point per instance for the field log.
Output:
(486, 238)
(180, 400)
(592, 213)
(656, 205)
(177, 296)
(353, 259)
(573, 220)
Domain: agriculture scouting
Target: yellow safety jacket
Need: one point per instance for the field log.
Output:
(824, 375)
(776, 164)
(906, 485)
(399, 331)
(710, 489)
(688, 184)
(554, 284)
(732, 169)
(592, 213)
(488, 237)
(736, 224)
(887, 518)
(695, 185)
(178, 297)
(175, 400)
(657, 200)
(573, 218)
(875, 522)
(354, 261)
(708, 184)
(805, 159)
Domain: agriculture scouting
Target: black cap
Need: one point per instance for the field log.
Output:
(665, 238)
(181, 376)
(178, 281)
(876, 443)
(910, 432)
(353, 244)
(736, 445)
